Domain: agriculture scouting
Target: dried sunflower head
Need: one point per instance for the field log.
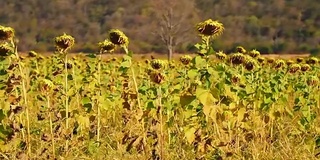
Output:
(186, 59)
(305, 67)
(294, 68)
(6, 49)
(210, 28)
(312, 61)
(270, 60)
(157, 64)
(261, 59)
(64, 42)
(6, 33)
(46, 85)
(237, 58)
(117, 37)
(32, 54)
(157, 77)
(254, 53)
(299, 60)
(279, 64)
(106, 46)
(250, 64)
(235, 79)
(240, 49)
(220, 55)
(289, 62)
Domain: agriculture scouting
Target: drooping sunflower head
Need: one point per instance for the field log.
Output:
(261, 60)
(6, 33)
(46, 85)
(250, 64)
(294, 68)
(32, 54)
(299, 60)
(270, 60)
(279, 64)
(64, 42)
(235, 79)
(6, 49)
(240, 49)
(237, 58)
(107, 46)
(289, 62)
(210, 28)
(221, 55)
(186, 59)
(156, 76)
(117, 37)
(157, 64)
(312, 61)
(254, 53)
(305, 67)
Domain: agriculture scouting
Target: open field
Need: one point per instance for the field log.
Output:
(106, 106)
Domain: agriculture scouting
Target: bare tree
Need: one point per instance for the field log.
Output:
(175, 18)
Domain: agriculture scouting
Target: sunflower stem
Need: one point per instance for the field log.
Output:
(24, 90)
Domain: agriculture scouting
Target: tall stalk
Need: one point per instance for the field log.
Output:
(99, 92)
(66, 95)
(24, 91)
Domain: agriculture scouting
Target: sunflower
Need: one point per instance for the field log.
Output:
(237, 58)
(279, 64)
(64, 41)
(305, 67)
(6, 33)
(186, 59)
(107, 46)
(210, 28)
(117, 37)
(240, 49)
(254, 53)
(294, 68)
(6, 49)
(220, 55)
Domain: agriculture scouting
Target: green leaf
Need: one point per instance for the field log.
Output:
(192, 73)
(125, 64)
(189, 133)
(205, 97)
(86, 102)
(186, 100)
(241, 113)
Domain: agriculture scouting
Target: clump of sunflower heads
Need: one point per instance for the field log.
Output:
(6, 33)
(64, 42)
(240, 49)
(254, 53)
(237, 58)
(279, 64)
(210, 28)
(6, 49)
(312, 61)
(117, 37)
(186, 59)
(220, 55)
(156, 76)
(312, 81)
(157, 64)
(305, 67)
(294, 68)
(106, 46)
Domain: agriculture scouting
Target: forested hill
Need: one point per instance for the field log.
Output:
(278, 26)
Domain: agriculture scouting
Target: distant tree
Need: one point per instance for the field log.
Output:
(175, 18)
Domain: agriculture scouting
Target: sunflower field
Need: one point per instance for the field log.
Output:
(211, 106)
